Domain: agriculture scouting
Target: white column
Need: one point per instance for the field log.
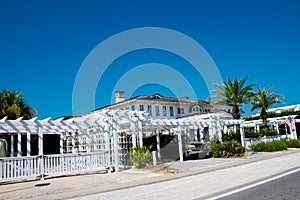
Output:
(41, 141)
(277, 128)
(133, 135)
(196, 134)
(158, 145)
(73, 142)
(211, 129)
(28, 138)
(61, 143)
(242, 134)
(294, 132)
(19, 144)
(107, 146)
(180, 144)
(140, 132)
(116, 150)
(257, 127)
(12, 145)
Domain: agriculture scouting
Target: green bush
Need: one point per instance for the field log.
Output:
(141, 156)
(228, 149)
(276, 145)
(232, 135)
(292, 143)
(251, 133)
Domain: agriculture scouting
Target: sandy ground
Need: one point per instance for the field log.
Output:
(25, 190)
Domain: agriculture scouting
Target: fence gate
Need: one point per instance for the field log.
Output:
(33, 167)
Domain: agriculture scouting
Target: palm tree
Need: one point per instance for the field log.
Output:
(233, 93)
(12, 105)
(263, 99)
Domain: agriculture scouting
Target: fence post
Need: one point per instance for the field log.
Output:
(154, 158)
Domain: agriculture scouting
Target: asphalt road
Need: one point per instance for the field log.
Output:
(207, 185)
(285, 188)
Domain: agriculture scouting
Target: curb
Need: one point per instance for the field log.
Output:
(165, 178)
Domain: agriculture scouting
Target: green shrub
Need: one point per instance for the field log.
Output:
(228, 149)
(276, 145)
(292, 143)
(141, 156)
(251, 133)
(232, 135)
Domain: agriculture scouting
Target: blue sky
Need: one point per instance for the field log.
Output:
(44, 43)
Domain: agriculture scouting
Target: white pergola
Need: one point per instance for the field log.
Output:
(275, 122)
(105, 122)
(216, 123)
(108, 125)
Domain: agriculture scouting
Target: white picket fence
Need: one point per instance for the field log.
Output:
(249, 141)
(33, 167)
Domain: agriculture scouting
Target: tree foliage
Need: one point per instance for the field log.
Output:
(12, 105)
(233, 93)
(263, 99)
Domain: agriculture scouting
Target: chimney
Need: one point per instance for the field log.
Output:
(119, 96)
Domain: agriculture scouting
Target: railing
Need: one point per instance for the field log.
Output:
(19, 167)
(29, 167)
(249, 141)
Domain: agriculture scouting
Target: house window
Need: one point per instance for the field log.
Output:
(164, 110)
(141, 107)
(180, 111)
(133, 107)
(157, 111)
(171, 111)
(149, 110)
(196, 109)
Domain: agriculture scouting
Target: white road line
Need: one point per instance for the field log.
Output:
(253, 185)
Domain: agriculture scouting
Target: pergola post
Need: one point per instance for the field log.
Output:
(133, 135)
(12, 145)
(61, 143)
(116, 150)
(28, 138)
(140, 132)
(242, 135)
(41, 141)
(196, 134)
(277, 128)
(158, 145)
(107, 145)
(73, 141)
(180, 144)
(19, 144)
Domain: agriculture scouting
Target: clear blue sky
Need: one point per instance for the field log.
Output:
(43, 44)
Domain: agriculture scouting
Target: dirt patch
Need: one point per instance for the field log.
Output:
(160, 169)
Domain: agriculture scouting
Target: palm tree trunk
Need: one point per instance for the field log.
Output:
(264, 116)
(235, 112)
(236, 115)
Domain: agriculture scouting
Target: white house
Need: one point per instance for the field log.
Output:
(158, 106)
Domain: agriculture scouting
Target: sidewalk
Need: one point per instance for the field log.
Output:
(76, 186)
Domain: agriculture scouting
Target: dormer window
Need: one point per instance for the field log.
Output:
(156, 96)
(197, 109)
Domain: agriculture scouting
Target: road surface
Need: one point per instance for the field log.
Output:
(206, 185)
(284, 188)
